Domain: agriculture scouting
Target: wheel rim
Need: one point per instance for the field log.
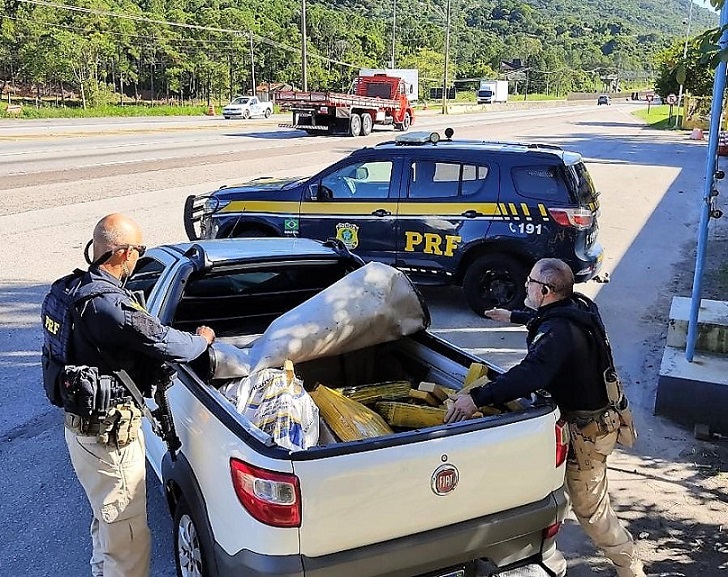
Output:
(355, 125)
(267, 113)
(189, 553)
(246, 114)
(366, 123)
(406, 122)
(497, 288)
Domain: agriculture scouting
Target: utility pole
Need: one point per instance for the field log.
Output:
(252, 66)
(304, 67)
(394, 27)
(447, 55)
(685, 55)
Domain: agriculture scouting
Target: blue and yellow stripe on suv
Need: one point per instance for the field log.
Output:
(405, 209)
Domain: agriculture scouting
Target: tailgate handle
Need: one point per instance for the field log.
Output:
(471, 214)
(381, 212)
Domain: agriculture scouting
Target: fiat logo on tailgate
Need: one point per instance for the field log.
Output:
(444, 479)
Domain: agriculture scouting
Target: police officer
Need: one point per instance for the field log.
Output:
(562, 361)
(112, 332)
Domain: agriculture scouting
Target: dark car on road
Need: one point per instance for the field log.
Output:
(603, 99)
(472, 213)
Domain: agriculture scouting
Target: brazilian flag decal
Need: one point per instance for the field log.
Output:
(290, 225)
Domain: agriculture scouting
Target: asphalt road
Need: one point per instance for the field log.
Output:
(58, 178)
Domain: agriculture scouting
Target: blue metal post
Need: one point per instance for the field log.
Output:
(715, 112)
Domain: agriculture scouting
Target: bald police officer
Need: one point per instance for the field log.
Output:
(562, 360)
(113, 331)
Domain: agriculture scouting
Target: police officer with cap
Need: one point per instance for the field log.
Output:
(564, 360)
(112, 332)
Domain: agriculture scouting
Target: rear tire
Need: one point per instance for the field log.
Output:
(267, 113)
(355, 125)
(190, 554)
(367, 124)
(495, 281)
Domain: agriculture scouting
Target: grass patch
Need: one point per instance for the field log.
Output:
(658, 117)
(30, 111)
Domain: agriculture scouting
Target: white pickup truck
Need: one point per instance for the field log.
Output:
(413, 503)
(246, 107)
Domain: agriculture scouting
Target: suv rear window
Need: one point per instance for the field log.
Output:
(539, 182)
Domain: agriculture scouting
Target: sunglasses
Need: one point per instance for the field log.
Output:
(530, 280)
(140, 248)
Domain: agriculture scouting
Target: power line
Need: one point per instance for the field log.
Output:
(131, 35)
(250, 33)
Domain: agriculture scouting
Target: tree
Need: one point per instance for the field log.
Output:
(698, 76)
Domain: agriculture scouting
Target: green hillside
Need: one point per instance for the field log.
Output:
(178, 50)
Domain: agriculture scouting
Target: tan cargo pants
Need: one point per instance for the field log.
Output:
(588, 492)
(114, 482)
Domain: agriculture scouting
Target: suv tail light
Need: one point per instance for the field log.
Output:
(578, 218)
(270, 497)
(562, 442)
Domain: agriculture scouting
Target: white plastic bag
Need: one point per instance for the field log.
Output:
(275, 401)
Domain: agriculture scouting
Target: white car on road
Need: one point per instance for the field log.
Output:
(247, 106)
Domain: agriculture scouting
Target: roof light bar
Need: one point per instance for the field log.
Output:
(417, 138)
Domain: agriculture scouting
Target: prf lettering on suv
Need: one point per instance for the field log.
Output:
(476, 214)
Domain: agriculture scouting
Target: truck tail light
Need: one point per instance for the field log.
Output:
(578, 218)
(270, 497)
(562, 442)
(550, 531)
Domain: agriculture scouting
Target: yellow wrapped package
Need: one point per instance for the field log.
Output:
(350, 420)
(377, 391)
(410, 416)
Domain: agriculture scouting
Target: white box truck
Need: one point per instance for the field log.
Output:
(411, 77)
(491, 91)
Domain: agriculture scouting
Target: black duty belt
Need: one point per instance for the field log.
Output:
(81, 426)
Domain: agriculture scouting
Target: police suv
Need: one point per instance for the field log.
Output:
(472, 213)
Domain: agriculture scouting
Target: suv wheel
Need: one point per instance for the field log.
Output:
(495, 280)
(189, 553)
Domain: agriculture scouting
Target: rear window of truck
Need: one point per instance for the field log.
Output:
(246, 301)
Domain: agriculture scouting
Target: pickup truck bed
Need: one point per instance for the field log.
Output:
(244, 506)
